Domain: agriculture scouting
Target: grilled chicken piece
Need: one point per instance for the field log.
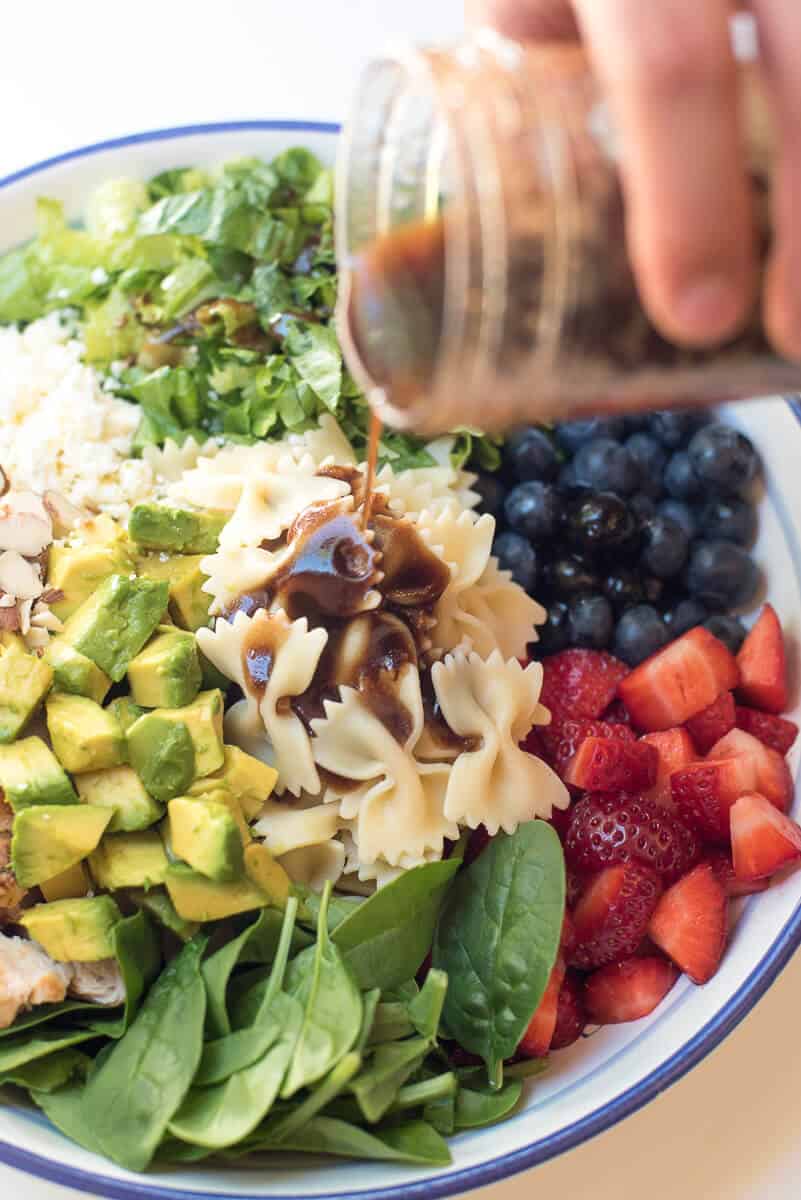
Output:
(28, 977)
(98, 982)
(11, 894)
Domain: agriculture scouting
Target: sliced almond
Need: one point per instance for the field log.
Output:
(25, 607)
(43, 618)
(64, 513)
(37, 639)
(18, 577)
(25, 532)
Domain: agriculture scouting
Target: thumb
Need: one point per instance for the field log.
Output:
(525, 20)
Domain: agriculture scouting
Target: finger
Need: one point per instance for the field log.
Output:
(780, 46)
(525, 20)
(670, 75)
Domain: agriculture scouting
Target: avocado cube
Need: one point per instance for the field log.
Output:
(113, 625)
(198, 898)
(125, 860)
(189, 604)
(85, 736)
(75, 930)
(68, 885)
(24, 682)
(78, 565)
(74, 673)
(205, 834)
(204, 719)
(160, 906)
(31, 774)
(121, 790)
(171, 747)
(166, 674)
(176, 530)
(49, 838)
(125, 711)
(267, 874)
(250, 780)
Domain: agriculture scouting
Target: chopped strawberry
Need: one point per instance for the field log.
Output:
(628, 990)
(612, 914)
(617, 714)
(721, 863)
(675, 750)
(773, 778)
(606, 829)
(609, 765)
(689, 923)
(560, 819)
(562, 738)
(776, 732)
(581, 683)
(679, 681)
(763, 664)
(704, 792)
(713, 723)
(533, 742)
(763, 840)
(536, 1041)
(575, 883)
(568, 937)
(571, 1017)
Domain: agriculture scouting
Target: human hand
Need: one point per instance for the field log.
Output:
(669, 72)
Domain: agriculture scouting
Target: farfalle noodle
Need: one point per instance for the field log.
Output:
(494, 703)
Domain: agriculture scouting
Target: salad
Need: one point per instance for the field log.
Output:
(318, 831)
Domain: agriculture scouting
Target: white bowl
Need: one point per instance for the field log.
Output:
(600, 1080)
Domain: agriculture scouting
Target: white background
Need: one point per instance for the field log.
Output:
(74, 73)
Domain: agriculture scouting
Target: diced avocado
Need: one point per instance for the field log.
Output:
(80, 564)
(121, 790)
(204, 833)
(171, 747)
(189, 604)
(30, 774)
(113, 625)
(177, 530)
(129, 860)
(73, 672)
(24, 683)
(212, 678)
(49, 838)
(166, 674)
(267, 874)
(74, 930)
(197, 898)
(126, 712)
(159, 905)
(250, 780)
(69, 885)
(85, 736)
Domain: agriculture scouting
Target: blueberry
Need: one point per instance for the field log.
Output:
(721, 574)
(681, 513)
(515, 554)
(608, 466)
(723, 459)
(665, 546)
(570, 575)
(653, 588)
(600, 521)
(680, 479)
(567, 481)
(650, 458)
(623, 588)
(730, 519)
(533, 509)
(492, 494)
(572, 435)
(686, 615)
(531, 454)
(590, 622)
(554, 634)
(729, 630)
(642, 506)
(674, 427)
(640, 633)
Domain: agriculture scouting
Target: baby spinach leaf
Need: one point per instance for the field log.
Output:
(18, 1052)
(497, 939)
(391, 1065)
(527, 1068)
(233, 1052)
(255, 944)
(130, 1100)
(369, 1008)
(413, 1142)
(386, 939)
(472, 1109)
(391, 1023)
(285, 1126)
(137, 950)
(44, 1014)
(425, 1009)
(64, 1108)
(426, 1091)
(332, 1004)
(48, 1074)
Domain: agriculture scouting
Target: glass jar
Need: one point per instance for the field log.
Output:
(485, 275)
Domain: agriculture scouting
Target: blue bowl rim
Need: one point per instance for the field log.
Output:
(497, 1169)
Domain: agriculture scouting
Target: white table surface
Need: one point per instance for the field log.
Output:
(78, 73)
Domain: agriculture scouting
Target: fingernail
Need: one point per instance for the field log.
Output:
(710, 307)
